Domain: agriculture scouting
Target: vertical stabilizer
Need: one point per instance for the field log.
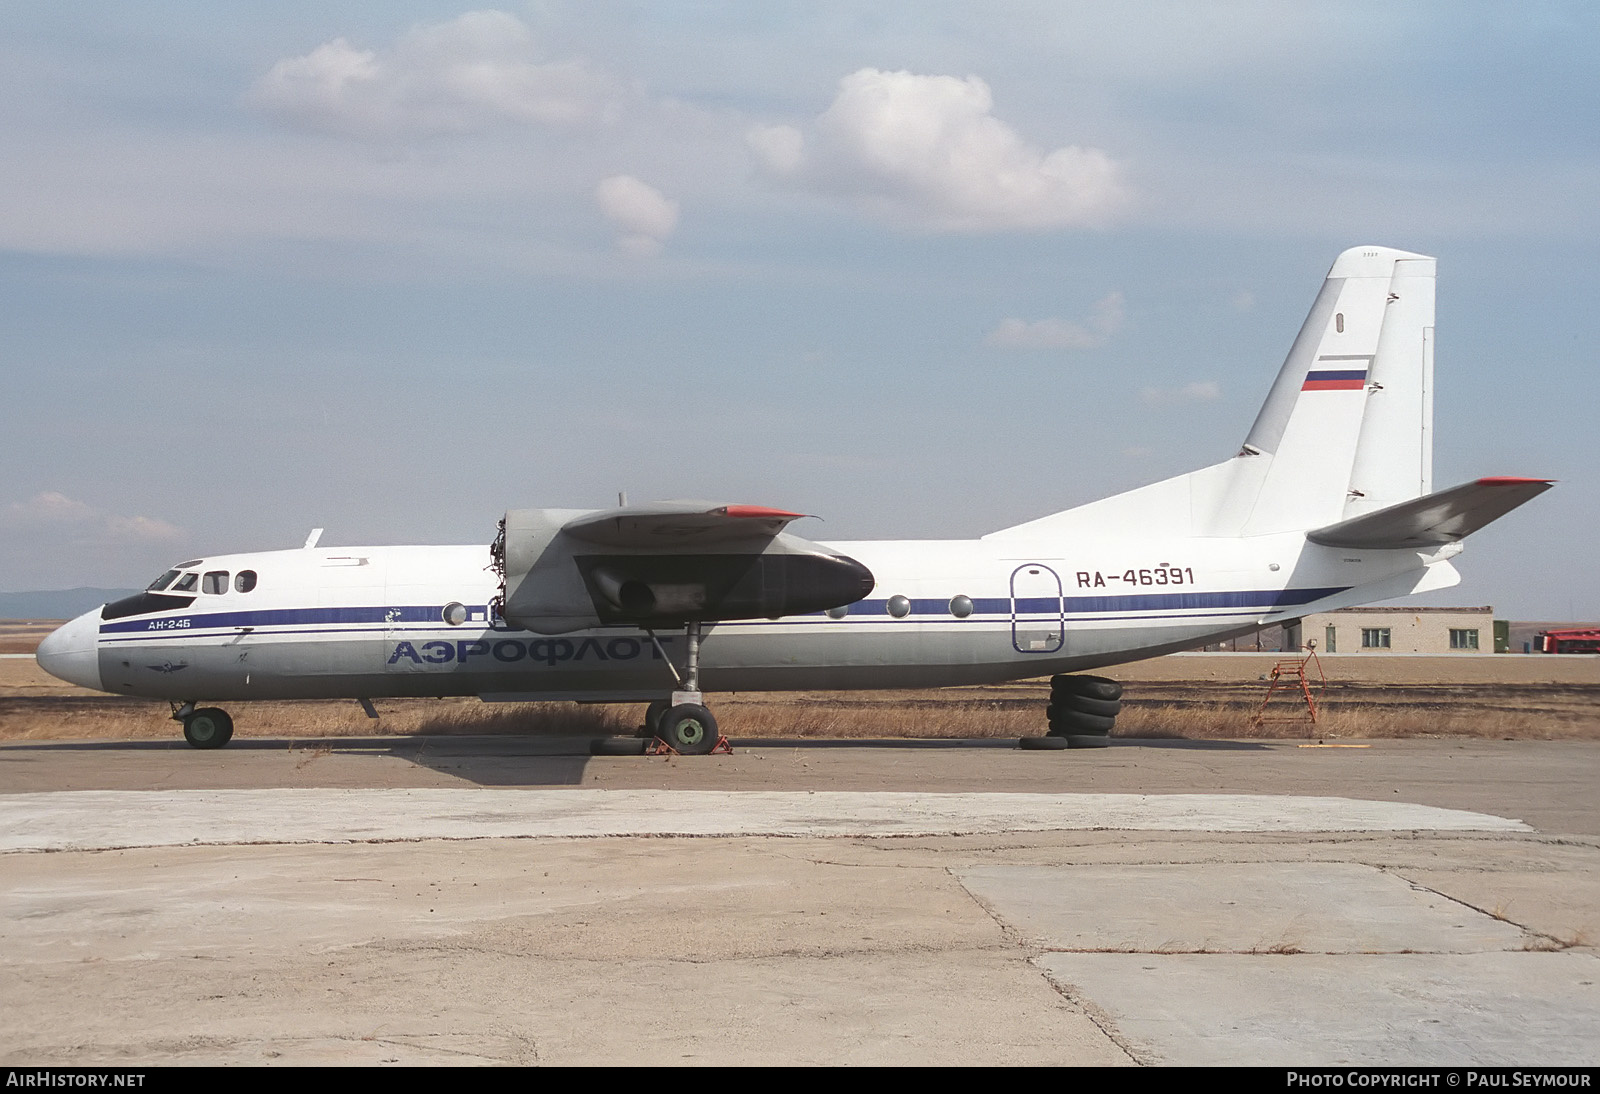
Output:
(1394, 455)
(1347, 427)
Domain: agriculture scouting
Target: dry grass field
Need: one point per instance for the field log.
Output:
(1196, 696)
(23, 635)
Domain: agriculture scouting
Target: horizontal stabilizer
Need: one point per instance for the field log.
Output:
(1434, 519)
(678, 524)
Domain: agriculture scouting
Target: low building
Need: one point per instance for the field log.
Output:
(1401, 630)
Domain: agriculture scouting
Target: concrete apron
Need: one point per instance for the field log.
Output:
(100, 819)
(460, 926)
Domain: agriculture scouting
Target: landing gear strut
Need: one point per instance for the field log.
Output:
(683, 723)
(207, 727)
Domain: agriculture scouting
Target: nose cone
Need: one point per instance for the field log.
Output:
(858, 574)
(72, 651)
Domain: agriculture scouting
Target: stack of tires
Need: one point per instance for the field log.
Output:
(1081, 712)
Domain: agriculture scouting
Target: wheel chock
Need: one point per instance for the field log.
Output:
(658, 747)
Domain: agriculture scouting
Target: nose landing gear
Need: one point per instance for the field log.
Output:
(206, 727)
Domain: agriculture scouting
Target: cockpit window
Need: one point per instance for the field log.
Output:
(162, 582)
(215, 581)
(245, 580)
(186, 583)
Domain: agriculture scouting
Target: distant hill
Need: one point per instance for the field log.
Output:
(56, 603)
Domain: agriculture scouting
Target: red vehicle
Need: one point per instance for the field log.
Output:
(1571, 641)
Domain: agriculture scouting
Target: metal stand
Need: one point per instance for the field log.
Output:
(1292, 674)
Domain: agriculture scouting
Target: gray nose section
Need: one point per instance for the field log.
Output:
(72, 651)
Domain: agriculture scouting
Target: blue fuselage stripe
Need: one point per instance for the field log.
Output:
(283, 617)
(409, 619)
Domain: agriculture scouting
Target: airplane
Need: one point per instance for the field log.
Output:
(1327, 504)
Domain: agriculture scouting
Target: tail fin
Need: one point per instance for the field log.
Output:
(1347, 428)
(1348, 425)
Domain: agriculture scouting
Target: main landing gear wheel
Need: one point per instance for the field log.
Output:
(208, 727)
(689, 729)
(652, 718)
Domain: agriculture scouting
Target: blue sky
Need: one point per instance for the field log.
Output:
(922, 269)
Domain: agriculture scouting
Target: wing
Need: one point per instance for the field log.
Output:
(678, 524)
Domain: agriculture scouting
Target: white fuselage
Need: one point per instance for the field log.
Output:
(363, 622)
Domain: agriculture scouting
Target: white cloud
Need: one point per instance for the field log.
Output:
(462, 76)
(1055, 333)
(927, 152)
(50, 514)
(1200, 391)
(47, 507)
(644, 217)
(140, 529)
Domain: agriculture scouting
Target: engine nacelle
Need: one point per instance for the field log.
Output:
(558, 578)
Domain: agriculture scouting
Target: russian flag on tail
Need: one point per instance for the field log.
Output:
(1343, 379)
(1351, 377)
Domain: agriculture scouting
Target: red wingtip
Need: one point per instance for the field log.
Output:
(1508, 480)
(760, 511)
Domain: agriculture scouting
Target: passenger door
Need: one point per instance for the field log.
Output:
(1037, 622)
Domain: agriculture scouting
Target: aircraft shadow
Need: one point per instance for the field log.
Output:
(483, 760)
(507, 760)
(936, 743)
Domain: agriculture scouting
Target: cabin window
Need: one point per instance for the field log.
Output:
(1374, 638)
(1463, 639)
(215, 581)
(1338, 322)
(186, 583)
(838, 613)
(162, 582)
(455, 613)
(960, 606)
(898, 606)
(244, 580)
